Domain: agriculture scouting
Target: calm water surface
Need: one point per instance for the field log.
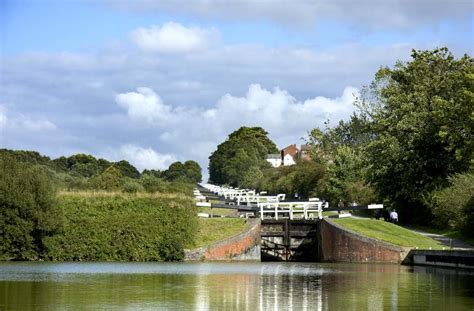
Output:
(232, 286)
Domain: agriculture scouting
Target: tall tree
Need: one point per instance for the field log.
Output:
(27, 210)
(245, 148)
(422, 120)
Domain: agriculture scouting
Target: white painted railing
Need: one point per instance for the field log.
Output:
(270, 205)
(291, 210)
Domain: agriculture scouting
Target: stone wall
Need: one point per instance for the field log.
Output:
(337, 244)
(461, 259)
(244, 246)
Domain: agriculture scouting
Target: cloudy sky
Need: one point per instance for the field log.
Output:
(153, 82)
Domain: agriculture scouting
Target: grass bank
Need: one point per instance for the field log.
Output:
(211, 230)
(388, 232)
(453, 234)
(122, 227)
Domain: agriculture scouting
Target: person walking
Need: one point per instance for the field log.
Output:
(340, 206)
(394, 216)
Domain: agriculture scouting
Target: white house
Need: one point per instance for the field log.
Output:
(288, 160)
(274, 159)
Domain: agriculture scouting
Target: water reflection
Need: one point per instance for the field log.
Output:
(232, 286)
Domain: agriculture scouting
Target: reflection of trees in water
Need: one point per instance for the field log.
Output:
(282, 286)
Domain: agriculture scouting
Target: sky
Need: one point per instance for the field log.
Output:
(154, 82)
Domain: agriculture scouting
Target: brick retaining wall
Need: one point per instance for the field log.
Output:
(338, 244)
(239, 247)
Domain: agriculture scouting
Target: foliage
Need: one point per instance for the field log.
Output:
(346, 178)
(28, 213)
(252, 178)
(303, 179)
(153, 184)
(31, 157)
(454, 205)
(132, 186)
(341, 150)
(151, 172)
(245, 148)
(126, 169)
(84, 172)
(122, 228)
(110, 179)
(189, 171)
(422, 116)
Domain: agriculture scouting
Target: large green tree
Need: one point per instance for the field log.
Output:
(27, 210)
(422, 118)
(246, 148)
(340, 151)
(189, 171)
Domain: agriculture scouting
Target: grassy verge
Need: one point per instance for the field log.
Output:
(211, 230)
(218, 211)
(453, 234)
(388, 232)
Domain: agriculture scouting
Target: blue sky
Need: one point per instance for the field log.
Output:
(158, 81)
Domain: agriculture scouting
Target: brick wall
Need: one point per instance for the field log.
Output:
(341, 245)
(239, 247)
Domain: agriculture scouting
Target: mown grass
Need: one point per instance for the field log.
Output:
(388, 232)
(453, 234)
(218, 211)
(211, 230)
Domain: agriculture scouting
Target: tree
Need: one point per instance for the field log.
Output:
(193, 171)
(245, 148)
(110, 179)
(421, 118)
(189, 172)
(126, 169)
(454, 206)
(27, 210)
(176, 171)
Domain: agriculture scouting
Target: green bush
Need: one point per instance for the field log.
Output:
(110, 179)
(132, 186)
(454, 206)
(28, 213)
(123, 228)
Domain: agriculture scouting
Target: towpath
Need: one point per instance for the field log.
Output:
(445, 240)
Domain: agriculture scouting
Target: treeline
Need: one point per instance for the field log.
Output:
(85, 172)
(409, 145)
(38, 224)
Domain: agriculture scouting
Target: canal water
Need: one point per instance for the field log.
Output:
(232, 286)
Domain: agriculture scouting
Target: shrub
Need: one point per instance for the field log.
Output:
(27, 209)
(454, 206)
(110, 179)
(101, 227)
(132, 186)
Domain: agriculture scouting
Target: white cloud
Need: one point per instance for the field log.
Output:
(144, 104)
(36, 125)
(23, 122)
(172, 38)
(287, 119)
(278, 111)
(143, 158)
(3, 119)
